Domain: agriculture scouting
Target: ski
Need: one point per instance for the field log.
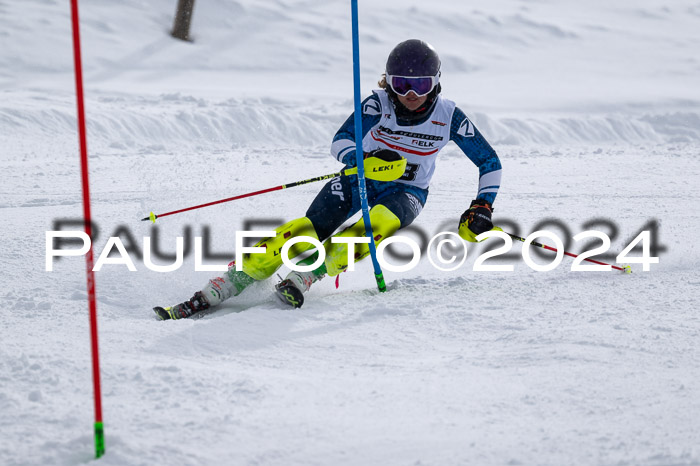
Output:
(195, 305)
(162, 312)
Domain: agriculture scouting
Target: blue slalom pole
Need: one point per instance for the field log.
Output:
(359, 153)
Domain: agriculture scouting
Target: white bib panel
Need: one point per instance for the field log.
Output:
(419, 144)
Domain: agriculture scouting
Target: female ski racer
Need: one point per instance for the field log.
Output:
(407, 117)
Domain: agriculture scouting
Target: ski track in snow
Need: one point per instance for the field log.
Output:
(594, 112)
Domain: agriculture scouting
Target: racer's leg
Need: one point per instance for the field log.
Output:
(332, 206)
(395, 206)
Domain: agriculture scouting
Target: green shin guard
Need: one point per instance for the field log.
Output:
(240, 280)
(320, 271)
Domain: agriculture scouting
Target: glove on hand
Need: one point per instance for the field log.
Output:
(382, 154)
(349, 159)
(475, 220)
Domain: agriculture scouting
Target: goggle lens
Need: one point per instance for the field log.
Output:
(422, 85)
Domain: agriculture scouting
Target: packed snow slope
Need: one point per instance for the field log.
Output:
(594, 110)
(553, 72)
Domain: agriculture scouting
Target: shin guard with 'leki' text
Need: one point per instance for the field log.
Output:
(384, 224)
(262, 265)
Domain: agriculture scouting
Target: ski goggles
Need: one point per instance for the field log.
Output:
(421, 85)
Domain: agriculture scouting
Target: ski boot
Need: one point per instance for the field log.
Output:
(291, 290)
(289, 294)
(183, 310)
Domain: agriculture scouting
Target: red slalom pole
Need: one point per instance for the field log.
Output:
(89, 260)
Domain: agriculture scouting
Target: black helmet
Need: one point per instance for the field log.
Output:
(413, 58)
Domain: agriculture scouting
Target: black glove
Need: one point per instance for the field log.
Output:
(384, 154)
(475, 220)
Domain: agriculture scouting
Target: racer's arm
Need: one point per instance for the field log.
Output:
(343, 147)
(480, 152)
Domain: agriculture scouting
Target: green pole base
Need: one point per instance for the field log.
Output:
(380, 282)
(99, 440)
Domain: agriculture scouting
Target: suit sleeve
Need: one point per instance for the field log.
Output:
(479, 151)
(344, 140)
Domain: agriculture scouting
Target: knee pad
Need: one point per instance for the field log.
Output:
(384, 224)
(262, 265)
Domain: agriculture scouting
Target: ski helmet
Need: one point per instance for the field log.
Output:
(413, 58)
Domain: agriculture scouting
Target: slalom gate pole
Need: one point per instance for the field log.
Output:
(626, 268)
(359, 154)
(92, 303)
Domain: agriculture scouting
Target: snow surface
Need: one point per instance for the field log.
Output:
(594, 109)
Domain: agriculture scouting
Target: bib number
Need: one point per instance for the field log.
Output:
(411, 172)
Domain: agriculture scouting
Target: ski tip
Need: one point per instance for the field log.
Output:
(161, 313)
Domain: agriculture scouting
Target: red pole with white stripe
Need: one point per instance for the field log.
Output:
(89, 260)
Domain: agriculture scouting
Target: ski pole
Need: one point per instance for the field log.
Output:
(626, 268)
(376, 169)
